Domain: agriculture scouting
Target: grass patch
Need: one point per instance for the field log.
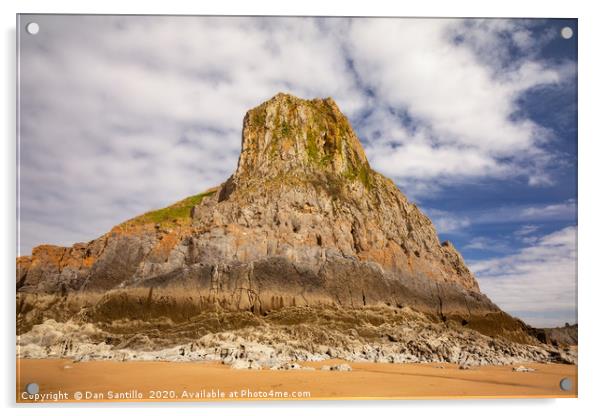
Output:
(258, 118)
(178, 211)
(312, 146)
(285, 130)
(362, 173)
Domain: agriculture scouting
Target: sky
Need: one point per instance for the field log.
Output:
(475, 120)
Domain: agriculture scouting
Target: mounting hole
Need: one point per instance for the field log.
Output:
(32, 28)
(32, 388)
(566, 32)
(566, 384)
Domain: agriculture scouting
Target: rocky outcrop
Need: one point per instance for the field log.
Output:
(303, 220)
(282, 340)
(564, 335)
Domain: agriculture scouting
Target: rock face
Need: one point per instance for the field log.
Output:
(304, 220)
(565, 335)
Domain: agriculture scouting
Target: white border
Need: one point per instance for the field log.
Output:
(590, 207)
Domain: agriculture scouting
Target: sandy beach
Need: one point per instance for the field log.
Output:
(66, 381)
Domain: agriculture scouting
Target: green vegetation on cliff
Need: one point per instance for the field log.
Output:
(179, 210)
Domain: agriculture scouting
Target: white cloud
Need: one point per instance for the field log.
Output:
(526, 230)
(499, 245)
(446, 222)
(450, 222)
(525, 233)
(461, 97)
(567, 209)
(539, 280)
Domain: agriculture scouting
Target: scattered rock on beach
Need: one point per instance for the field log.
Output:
(523, 369)
(245, 365)
(290, 366)
(338, 367)
(341, 367)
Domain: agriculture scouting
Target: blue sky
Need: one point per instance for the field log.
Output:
(475, 120)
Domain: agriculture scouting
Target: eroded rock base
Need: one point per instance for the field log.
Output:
(280, 339)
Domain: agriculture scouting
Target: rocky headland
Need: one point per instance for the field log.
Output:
(304, 254)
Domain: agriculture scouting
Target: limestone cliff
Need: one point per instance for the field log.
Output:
(303, 220)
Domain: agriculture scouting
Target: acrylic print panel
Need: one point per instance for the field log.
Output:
(237, 208)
